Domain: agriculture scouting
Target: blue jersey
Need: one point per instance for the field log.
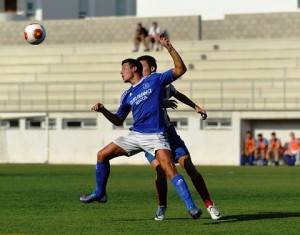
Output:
(144, 99)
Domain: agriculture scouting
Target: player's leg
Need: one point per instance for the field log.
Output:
(297, 158)
(167, 164)
(158, 145)
(266, 156)
(243, 159)
(293, 159)
(276, 156)
(136, 42)
(102, 173)
(251, 158)
(161, 185)
(145, 42)
(197, 179)
(186, 163)
(125, 145)
(181, 155)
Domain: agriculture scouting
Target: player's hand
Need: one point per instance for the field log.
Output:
(97, 107)
(201, 111)
(170, 104)
(164, 40)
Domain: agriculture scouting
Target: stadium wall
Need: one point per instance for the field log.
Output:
(80, 146)
(207, 146)
(180, 28)
(97, 30)
(249, 26)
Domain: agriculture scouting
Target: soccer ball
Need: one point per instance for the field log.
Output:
(34, 33)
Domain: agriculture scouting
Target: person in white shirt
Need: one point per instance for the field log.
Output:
(153, 34)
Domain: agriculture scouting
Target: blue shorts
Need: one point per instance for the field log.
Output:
(177, 145)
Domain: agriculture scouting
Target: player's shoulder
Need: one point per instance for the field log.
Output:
(125, 93)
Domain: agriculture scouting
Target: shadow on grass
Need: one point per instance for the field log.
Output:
(231, 218)
(259, 216)
(152, 219)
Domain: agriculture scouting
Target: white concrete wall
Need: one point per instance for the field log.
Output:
(212, 9)
(80, 146)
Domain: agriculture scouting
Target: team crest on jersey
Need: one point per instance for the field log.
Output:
(146, 86)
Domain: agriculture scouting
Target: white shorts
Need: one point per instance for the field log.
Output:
(135, 142)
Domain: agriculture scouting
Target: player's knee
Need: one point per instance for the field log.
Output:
(101, 156)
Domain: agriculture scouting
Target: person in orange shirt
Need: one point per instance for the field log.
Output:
(291, 155)
(261, 147)
(274, 148)
(248, 151)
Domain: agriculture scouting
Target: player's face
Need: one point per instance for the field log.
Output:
(127, 72)
(146, 68)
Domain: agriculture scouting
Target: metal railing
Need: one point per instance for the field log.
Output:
(268, 94)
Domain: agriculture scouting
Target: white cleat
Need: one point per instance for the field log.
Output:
(214, 213)
(160, 213)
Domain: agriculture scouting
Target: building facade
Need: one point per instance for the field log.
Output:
(66, 9)
(74, 9)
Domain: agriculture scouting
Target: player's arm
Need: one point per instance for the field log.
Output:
(186, 100)
(113, 118)
(179, 66)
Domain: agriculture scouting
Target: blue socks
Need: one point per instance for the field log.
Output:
(183, 191)
(103, 171)
(102, 174)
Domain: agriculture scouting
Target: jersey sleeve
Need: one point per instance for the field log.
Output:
(166, 77)
(124, 108)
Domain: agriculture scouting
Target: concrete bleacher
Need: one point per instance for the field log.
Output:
(224, 74)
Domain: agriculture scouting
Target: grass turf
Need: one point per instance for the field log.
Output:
(44, 199)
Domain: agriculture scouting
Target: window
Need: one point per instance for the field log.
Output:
(10, 124)
(87, 123)
(10, 5)
(83, 8)
(217, 123)
(40, 123)
(30, 10)
(180, 123)
(120, 7)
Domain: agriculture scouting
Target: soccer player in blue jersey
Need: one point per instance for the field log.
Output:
(180, 152)
(144, 100)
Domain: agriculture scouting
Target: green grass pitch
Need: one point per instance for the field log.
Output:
(44, 199)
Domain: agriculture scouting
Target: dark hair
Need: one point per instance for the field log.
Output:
(134, 63)
(259, 135)
(151, 61)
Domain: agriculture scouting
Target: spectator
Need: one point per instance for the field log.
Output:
(261, 147)
(249, 148)
(291, 155)
(153, 34)
(274, 148)
(140, 35)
